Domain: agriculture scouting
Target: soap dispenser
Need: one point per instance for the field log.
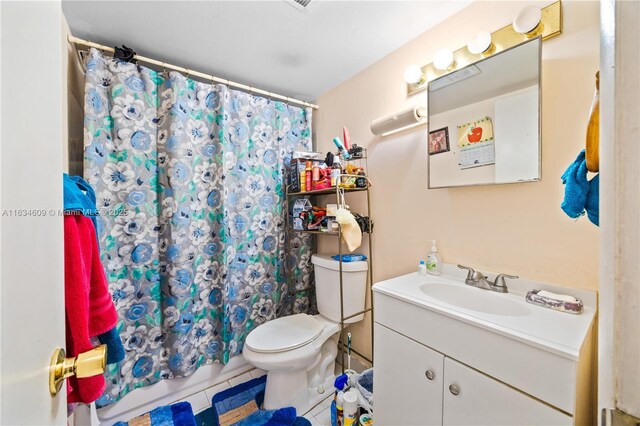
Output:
(434, 264)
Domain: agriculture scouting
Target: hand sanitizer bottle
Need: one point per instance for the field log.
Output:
(434, 264)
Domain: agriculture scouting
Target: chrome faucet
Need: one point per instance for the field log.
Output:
(477, 279)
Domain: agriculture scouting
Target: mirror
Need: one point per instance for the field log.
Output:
(484, 121)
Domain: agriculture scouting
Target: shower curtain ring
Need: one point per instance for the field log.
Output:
(188, 72)
(164, 67)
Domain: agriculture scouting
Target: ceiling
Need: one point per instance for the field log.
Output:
(268, 44)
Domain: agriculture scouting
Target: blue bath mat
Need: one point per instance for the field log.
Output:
(179, 414)
(240, 406)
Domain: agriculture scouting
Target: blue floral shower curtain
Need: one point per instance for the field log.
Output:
(189, 180)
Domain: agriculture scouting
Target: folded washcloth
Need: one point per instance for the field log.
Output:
(579, 192)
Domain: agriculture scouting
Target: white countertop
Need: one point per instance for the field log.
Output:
(550, 330)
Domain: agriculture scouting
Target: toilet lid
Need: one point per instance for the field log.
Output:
(284, 334)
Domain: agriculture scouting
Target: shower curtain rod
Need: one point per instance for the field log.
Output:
(188, 72)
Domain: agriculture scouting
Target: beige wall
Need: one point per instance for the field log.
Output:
(516, 228)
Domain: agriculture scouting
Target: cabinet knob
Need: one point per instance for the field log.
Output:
(430, 375)
(454, 389)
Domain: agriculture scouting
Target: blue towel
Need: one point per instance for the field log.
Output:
(579, 192)
(115, 350)
(80, 197)
(593, 201)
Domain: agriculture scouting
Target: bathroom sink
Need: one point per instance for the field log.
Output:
(475, 299)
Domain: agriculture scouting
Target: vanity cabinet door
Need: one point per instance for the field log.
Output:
(407, 383)
(472, 398)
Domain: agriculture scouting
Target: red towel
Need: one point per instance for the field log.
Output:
(88, 304)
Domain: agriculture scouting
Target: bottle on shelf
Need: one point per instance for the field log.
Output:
(307, 175)
(343, 152)
(336, 170)
(303, 181)
(315, 174)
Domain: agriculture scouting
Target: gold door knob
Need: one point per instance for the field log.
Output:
(86, 364)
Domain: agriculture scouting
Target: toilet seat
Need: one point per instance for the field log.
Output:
(284, 334)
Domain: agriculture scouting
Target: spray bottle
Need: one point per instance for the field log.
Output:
(343, 152)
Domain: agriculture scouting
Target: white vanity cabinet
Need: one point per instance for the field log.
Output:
(472, 398)
(415, 385)
(408, 381)
(498, 362)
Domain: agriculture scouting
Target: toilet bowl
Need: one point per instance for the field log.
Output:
(298, 352)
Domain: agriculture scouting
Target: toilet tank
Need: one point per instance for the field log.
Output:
(354, 284)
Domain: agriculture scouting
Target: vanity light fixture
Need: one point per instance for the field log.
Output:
(413, 74)
(403, 120)
(481, 44)
(443, 60)
(529, 22)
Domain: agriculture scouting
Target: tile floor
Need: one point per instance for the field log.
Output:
(321, 414)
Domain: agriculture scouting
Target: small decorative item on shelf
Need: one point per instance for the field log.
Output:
(300, 207)
(313, 219)
(357, 152)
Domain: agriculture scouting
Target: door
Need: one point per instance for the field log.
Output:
(407, 382)
(619, 301)
(471, 398)
(31, 230)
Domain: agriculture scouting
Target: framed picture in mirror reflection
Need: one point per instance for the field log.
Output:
(439, 141)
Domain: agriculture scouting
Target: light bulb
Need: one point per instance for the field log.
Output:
(413, 74)
(443, 59)
(480, 43)
(527, 20)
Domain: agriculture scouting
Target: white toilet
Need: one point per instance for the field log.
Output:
(298, 352)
